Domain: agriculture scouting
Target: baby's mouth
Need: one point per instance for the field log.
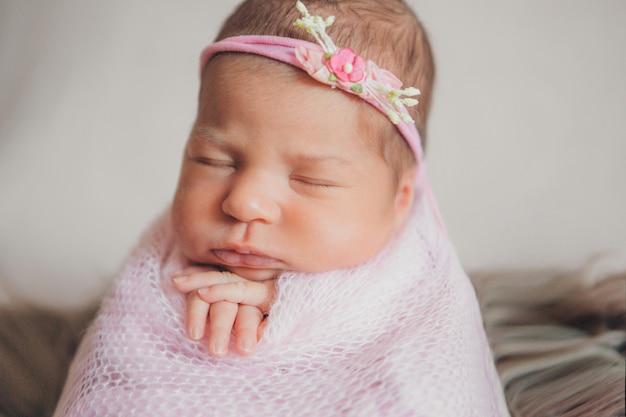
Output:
(241, 258)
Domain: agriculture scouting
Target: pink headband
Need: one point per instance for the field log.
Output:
(289, 51)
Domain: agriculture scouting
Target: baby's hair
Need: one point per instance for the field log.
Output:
(385, 31)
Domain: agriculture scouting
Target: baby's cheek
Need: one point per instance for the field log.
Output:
(184, 236)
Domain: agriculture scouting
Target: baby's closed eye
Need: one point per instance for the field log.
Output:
(313, 181)
(215, 162)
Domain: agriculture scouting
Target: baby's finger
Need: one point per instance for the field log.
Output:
(221, 319)
(195, 268)
(193, 281)
(197, 314)
(246, 329)
(258, 294)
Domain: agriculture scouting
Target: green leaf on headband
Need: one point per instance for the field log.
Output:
(357, 88)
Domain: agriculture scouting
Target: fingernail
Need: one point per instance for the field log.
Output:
(180, 279)
(219, 347)
(195, 333)
(247, 344)
(203, 290)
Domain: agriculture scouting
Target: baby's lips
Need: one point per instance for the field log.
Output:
(237, 258)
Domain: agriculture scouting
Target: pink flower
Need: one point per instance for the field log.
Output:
(347, 66)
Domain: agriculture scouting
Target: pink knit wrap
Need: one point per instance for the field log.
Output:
(400, 335)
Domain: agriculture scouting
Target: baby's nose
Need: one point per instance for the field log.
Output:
(252, 198)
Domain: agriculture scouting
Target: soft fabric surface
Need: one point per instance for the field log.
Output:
(559, 338)
(398, 335)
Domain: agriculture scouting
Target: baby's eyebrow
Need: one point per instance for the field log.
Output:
(324, 159)
(210, 137)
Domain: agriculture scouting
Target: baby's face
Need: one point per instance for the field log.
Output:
(277, 176)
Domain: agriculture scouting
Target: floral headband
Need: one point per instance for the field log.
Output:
(339, 68)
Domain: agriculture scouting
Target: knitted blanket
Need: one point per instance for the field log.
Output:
(400, 335)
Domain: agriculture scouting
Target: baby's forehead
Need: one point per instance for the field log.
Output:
(286, 103)
(238, 64)
(258, 80)
(233, 74)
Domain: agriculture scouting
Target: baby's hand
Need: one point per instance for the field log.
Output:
(228, 301)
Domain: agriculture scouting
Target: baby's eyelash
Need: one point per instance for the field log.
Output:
(218, 163)
(312, 182)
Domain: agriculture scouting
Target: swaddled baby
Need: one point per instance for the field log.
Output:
(303, 225)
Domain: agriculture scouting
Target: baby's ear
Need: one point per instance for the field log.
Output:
(404, 195)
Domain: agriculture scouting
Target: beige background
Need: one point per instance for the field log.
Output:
(527, 136)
